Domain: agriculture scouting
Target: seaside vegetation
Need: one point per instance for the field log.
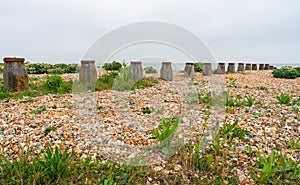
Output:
(286, 72)
(42, 68)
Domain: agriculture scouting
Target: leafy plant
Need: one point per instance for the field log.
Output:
(55, 165)
(112, 66)
(106, 81)
(55, 84)
(285, 72)
(167, 129)
(124, 80)
(262, 88)
(26, 99)
(145, 82)
(249, 101)
(146, 110)
(198, 67)
(205, 98)
(283, 98)
(5, 100)
(49, 129)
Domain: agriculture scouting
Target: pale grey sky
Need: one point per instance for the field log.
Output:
(234, 30)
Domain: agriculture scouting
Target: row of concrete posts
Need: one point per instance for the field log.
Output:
(16, 78)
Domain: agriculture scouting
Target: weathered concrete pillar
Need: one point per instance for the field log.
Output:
(248, 67)
(137, 70)
(166, 71)
(88, 72)
(189, 70)
(231, 68)
(241, 67)
(207, 71)
(14, 74)
(254, 66)
(221, 68)
(271, 67)
(267, 66)
(261, 66)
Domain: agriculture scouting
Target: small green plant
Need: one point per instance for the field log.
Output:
(205, 98)
(55, 84)
(145, 82)
(150, 70)
(262, 88)
(249, 101)
(167, 129)
(49, 129)
(146, 110)
(55, 165)
(283, 98)
(5, 100)
(198, 67)
(106, 81)
(26, 99)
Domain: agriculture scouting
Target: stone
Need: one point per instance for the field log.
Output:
(254, 66)
(261, 66)
(248, 67)
(88, 72)
(241, 67)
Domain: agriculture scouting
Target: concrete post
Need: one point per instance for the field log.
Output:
(14, 74)
(137, 70)
(267, 66)
(189, 70)
(261, 66)
(241, 67)
(166, 71)
(254, 67)
(231, 68)
(207, 71)
(221, 68)
(88, 72)
(248, 67)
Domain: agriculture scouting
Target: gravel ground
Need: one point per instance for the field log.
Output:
(111, 124)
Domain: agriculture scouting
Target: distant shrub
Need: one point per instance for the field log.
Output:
(55, 84)
(41, 68)
(112, 66)
(198, 67)
(298, 70)
(150, 70)
(285, 72)
(106, 81)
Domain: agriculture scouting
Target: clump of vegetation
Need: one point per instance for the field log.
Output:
(262, 88)
(167, 129)
(150, 70)
(112, 66)
(49, 129)
(145, 82)
(283, 98)
(146, 110)
(105, 82)
(55, 84)
(1, 68)
(198, 67)
(285, 72)
(42, 68)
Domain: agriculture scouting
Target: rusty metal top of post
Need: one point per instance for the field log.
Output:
(189, 63)
(135, 62)
(221, 63)
(241, 63)
(13, 59)
(207, 63)
(231, 64)
(247, 64)
(261, 64)
(87, 61)
(166, 62)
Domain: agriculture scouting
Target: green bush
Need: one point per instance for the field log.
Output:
(112, 66)
(150, 70)
(41, 68)
(1, 67)
(198, 67)
(106, 81)
(298, 70)
(55, 84)
(285, 72)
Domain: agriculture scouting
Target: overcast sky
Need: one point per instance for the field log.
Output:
(235, 30)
